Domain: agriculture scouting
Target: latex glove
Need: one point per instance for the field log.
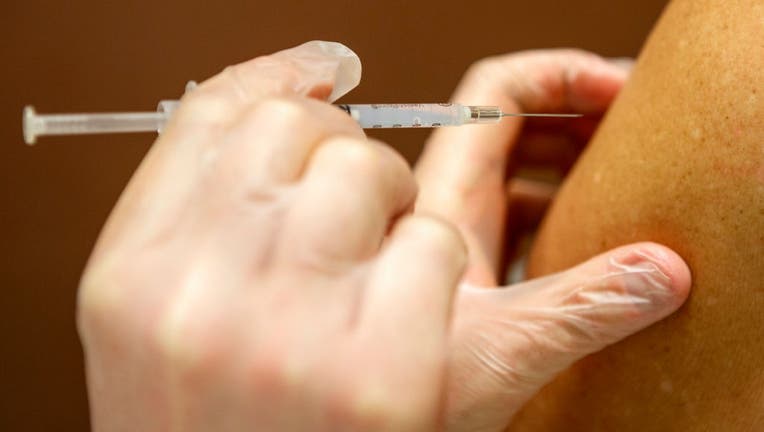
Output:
(507, 343)
(240, 284)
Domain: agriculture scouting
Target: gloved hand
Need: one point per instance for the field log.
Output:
(507, 343)
(240, 283)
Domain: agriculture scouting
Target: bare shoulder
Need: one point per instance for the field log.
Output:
(679, 160)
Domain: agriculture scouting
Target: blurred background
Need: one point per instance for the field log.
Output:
(90, 55)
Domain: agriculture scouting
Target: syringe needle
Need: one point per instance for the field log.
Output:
(539, 115)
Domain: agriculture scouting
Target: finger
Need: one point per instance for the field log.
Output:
(160, 188)
(253, 166)
(319, 69)
(463, 170)
(323, 70)
(598, 302)
(408, 304)
(350, 193)
(534, 330)
(271, 142)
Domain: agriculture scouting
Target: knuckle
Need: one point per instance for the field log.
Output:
(394, 158)
(273, 374)
(577, 333)
(182, 342)
(440, 241)
(206, 107)
(379, 405)
(390, 165)
(593, 306)
(284, 111)
(438, 233)
(353, 154)
(372, 406)
(100, 296)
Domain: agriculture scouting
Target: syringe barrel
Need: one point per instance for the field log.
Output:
(407, 115)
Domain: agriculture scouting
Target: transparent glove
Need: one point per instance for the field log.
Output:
(507, 343)
(242, 282)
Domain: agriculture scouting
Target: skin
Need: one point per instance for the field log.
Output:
(678, 160)
(265, 248)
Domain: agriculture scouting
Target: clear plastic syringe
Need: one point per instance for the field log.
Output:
(368, 116)
(430, 115)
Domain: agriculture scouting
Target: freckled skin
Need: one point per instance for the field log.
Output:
(679, 160)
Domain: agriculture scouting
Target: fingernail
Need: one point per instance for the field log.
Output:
(344, 64)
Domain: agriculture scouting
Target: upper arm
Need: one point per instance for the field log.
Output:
(679, 160)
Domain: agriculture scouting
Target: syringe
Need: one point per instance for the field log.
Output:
(368, 116)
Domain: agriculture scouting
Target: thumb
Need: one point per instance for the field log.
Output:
(513, 341)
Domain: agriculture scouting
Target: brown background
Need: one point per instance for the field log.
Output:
(104, 55)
